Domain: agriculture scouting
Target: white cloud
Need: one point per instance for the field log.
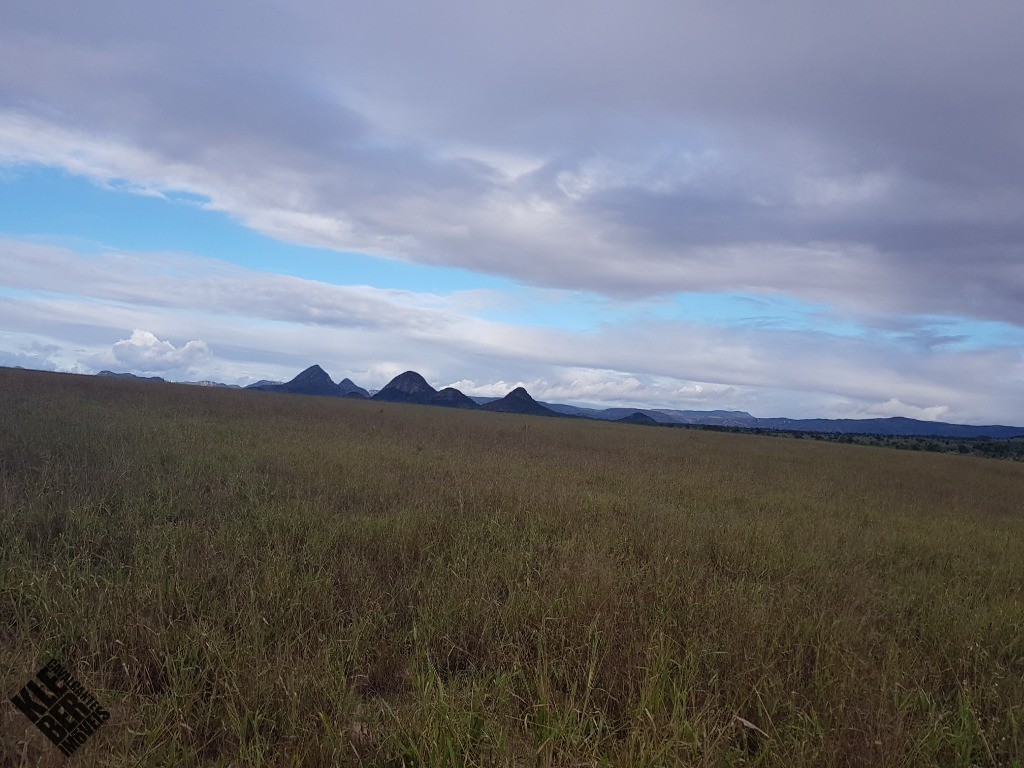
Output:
(271, 326)
(143, 351)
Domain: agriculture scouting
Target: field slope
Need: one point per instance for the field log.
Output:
(247, 578)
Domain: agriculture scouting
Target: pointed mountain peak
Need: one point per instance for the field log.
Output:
(349, 387)
(313, 374)
(314, 377)
(312, 381)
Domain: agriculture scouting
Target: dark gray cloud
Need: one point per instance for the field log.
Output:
(32, 354)
(870, 156)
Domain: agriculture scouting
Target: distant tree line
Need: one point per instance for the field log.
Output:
(1011, 449)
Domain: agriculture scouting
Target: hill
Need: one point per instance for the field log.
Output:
(411, 387)
(112, 375)
(408, 387)
(518, 401)
(449, 397)
(638, 418)
(349, 387)
(897, 426)
(312, 381)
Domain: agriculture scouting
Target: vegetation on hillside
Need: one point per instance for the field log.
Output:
(247, 578)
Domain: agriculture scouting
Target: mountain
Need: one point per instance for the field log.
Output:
(895, 426)
(349, 387)
(312, 381)
(518, 401)
(113, 375)
(408, 387)
(638, 417)
(659, 415)
(449, 397)
(263, 383)
(617, 414)
(571, 410)
(720, 418)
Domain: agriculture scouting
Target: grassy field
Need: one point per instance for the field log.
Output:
(253, 579)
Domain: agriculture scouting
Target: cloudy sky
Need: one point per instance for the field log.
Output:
(789, 208)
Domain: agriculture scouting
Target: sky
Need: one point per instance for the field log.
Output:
(803, 209)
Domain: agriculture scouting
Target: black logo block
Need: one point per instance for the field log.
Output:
(60, 707)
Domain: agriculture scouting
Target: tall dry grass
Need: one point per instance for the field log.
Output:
(254, 579)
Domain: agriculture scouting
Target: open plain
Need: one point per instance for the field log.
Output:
(246, 578)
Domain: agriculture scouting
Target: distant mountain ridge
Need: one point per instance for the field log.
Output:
(893, 426)
(410, 387)
(662, 415)
(113, 375)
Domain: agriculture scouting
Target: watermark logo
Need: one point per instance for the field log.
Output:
(60, 707)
